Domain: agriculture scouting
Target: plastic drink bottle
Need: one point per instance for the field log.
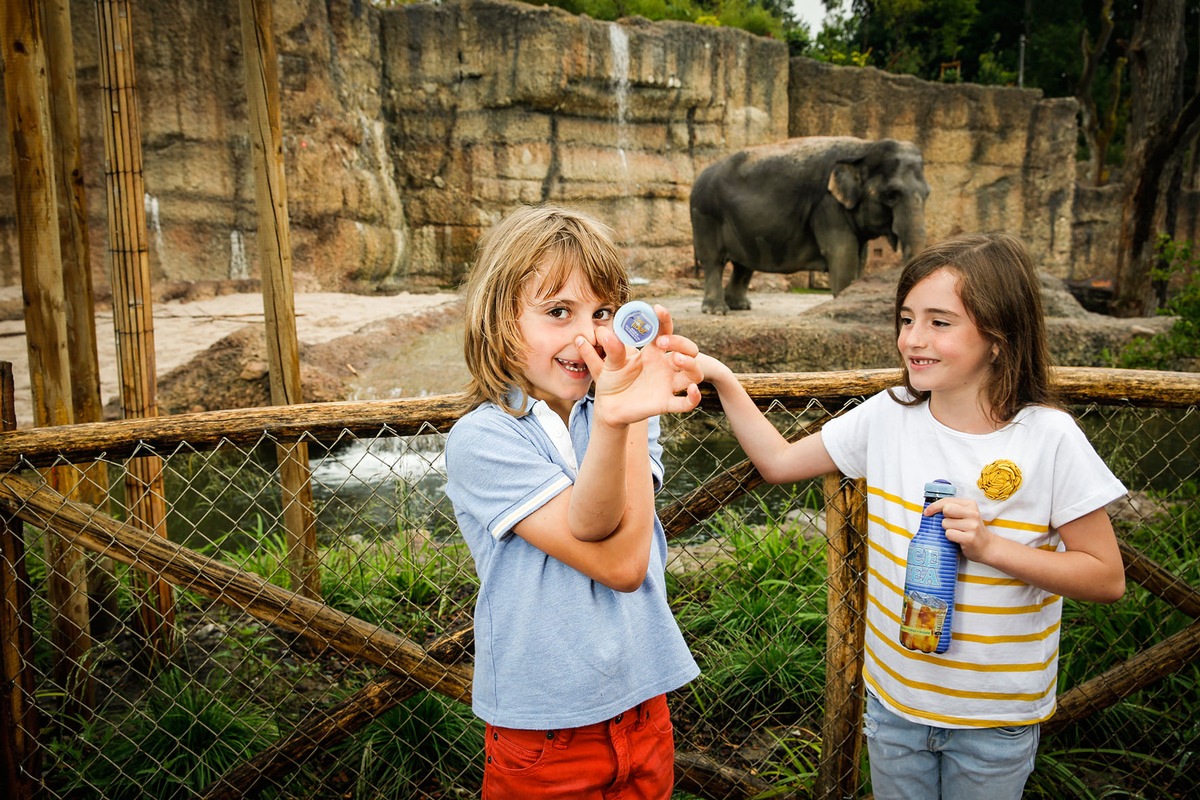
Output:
(929, 580)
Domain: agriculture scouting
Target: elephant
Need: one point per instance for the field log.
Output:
(809, 203)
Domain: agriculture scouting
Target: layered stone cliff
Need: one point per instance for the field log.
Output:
(409, 130)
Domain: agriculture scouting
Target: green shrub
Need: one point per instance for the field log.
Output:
(183, 736)
(1178, 347)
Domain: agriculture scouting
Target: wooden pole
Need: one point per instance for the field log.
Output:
(83, 361)
(275, 259)
(20, 756)
(132, 300)
(413, 415)
(30, 132)
(845, 629)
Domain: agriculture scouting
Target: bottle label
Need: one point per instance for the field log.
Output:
(922, 620)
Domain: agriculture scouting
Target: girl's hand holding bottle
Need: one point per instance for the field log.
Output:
(964, 526)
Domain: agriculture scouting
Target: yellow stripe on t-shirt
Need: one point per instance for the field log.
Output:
(946, 718)
(1033, 608)
(892, 498)
(1032, 527)
(961, 666)
(1014, 638)
(881, 550)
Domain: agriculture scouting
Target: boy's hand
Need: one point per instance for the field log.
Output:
(632, 384)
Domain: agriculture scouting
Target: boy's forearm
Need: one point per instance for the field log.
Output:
(601, 492)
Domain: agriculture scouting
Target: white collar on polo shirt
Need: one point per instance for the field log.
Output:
(557, 430)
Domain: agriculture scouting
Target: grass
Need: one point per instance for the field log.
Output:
(184, 737)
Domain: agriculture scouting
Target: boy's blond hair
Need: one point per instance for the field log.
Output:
(532, 239)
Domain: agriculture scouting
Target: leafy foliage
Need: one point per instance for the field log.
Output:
(420, 748)
(1179, 278)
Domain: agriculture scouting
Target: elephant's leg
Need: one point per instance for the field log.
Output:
(739, 284)
(714, 293)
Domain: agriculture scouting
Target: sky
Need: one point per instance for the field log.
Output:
(811, 12)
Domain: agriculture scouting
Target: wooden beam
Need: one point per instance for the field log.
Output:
(45, 508)
(20, 752)
(31, 138)
(410, 416)
(133, 316)
(845, 632)
(1147, 667)
(275, 265)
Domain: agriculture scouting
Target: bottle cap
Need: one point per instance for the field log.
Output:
(940, 488)
(636, 323)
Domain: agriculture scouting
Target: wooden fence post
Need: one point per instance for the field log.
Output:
(19, 751)
(83, 362)
(133, 316)
(846, 533)
(275, 255)
(31, 137)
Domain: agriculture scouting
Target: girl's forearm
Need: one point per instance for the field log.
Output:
(1089, 568)
(1071, 573)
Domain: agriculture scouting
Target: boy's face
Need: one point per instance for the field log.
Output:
(549, 326)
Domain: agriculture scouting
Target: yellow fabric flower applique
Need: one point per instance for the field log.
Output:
(1000, 479)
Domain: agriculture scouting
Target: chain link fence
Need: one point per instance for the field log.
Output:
(239, 704)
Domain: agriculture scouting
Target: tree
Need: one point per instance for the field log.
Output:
(1098, 128)
(1162, 126)
(915, 37)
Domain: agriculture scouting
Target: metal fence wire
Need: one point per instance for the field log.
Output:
(236, 703)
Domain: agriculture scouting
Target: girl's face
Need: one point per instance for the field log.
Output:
(549, 325)
(944, 351)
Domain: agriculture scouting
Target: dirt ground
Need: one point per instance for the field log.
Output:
(186, 329)
(210, 345)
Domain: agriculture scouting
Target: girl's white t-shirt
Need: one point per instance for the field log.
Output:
(1002, 664)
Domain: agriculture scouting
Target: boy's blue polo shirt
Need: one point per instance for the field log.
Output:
(553, 648)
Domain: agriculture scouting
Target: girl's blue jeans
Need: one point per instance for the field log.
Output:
(911, 760)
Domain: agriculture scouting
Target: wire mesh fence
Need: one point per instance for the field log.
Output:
(242, 703)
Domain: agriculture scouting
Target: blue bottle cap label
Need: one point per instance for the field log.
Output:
(636, 323)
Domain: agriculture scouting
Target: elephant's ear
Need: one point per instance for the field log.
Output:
(845, 184)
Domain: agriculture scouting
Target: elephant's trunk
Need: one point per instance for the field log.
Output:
(908, 226)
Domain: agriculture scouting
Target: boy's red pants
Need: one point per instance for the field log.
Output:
(631, 757)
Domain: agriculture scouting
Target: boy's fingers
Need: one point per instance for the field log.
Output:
(665, 325)
(614, 350)
(688, 366)
(589, 355)
(685, 402)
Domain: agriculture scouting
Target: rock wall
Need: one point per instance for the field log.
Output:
(347, 225)
(409, 130)
(995, 158)
(498, 103)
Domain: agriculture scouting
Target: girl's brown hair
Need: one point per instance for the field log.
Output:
(1001, 292)
(535, 248)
